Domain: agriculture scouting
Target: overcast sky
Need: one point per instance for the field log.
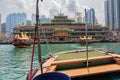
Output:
(52, 7)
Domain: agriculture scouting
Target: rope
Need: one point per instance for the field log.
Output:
(46, 41)
(114, 46)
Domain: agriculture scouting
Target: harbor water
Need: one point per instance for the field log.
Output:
(15, 62)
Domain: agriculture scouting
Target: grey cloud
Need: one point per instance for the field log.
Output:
(51, 7)
(53, 12)
(54, 8)
(19, 4)
(72, 6)
(62, 2)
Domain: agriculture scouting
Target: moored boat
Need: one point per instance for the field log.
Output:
(82, 41)
(21, 42)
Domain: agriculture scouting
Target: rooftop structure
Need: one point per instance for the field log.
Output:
(78, 17)
(0, 23)
(61, 19)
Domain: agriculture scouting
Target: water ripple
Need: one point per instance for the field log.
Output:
(14, 62)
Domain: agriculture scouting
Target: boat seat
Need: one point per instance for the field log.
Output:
(48, 62)
(82, 60)
(78, 72)
(52, 68)
(47, 69)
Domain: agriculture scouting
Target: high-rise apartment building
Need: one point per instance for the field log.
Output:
(3, 28)
(15, 19)
(28, 23)
(78, 17)
(90, 17)
(42, 18)
(0, 23)
(106, 4)
(33, 20)
(117, 14)
(112, 14)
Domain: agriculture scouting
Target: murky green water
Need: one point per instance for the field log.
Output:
(14, 62)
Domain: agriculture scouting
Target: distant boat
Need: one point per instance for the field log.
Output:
(22, 41)
(90, 40)
(82, 41)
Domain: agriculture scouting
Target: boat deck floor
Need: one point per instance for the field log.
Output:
(50, 66)
(81, 60)
(80, 72)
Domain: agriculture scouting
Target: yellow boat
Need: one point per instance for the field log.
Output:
(22, 41)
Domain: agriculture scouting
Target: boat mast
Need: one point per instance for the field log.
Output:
(86, 33)
(38, 35)
(39, 48)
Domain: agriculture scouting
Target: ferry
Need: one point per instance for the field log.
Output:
(22, 41)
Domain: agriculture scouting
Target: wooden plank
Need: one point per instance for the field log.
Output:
(52, 68)
(46, 66)
(47, 69)
(92, 70)
(49, 61)
(39, 71)
(82, 60)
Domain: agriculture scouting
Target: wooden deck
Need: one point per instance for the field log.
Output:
(47, 66)
(79, 72)
(50, 66)
(81, 60)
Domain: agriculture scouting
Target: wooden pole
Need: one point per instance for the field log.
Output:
(86, 33)
(38, 36)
